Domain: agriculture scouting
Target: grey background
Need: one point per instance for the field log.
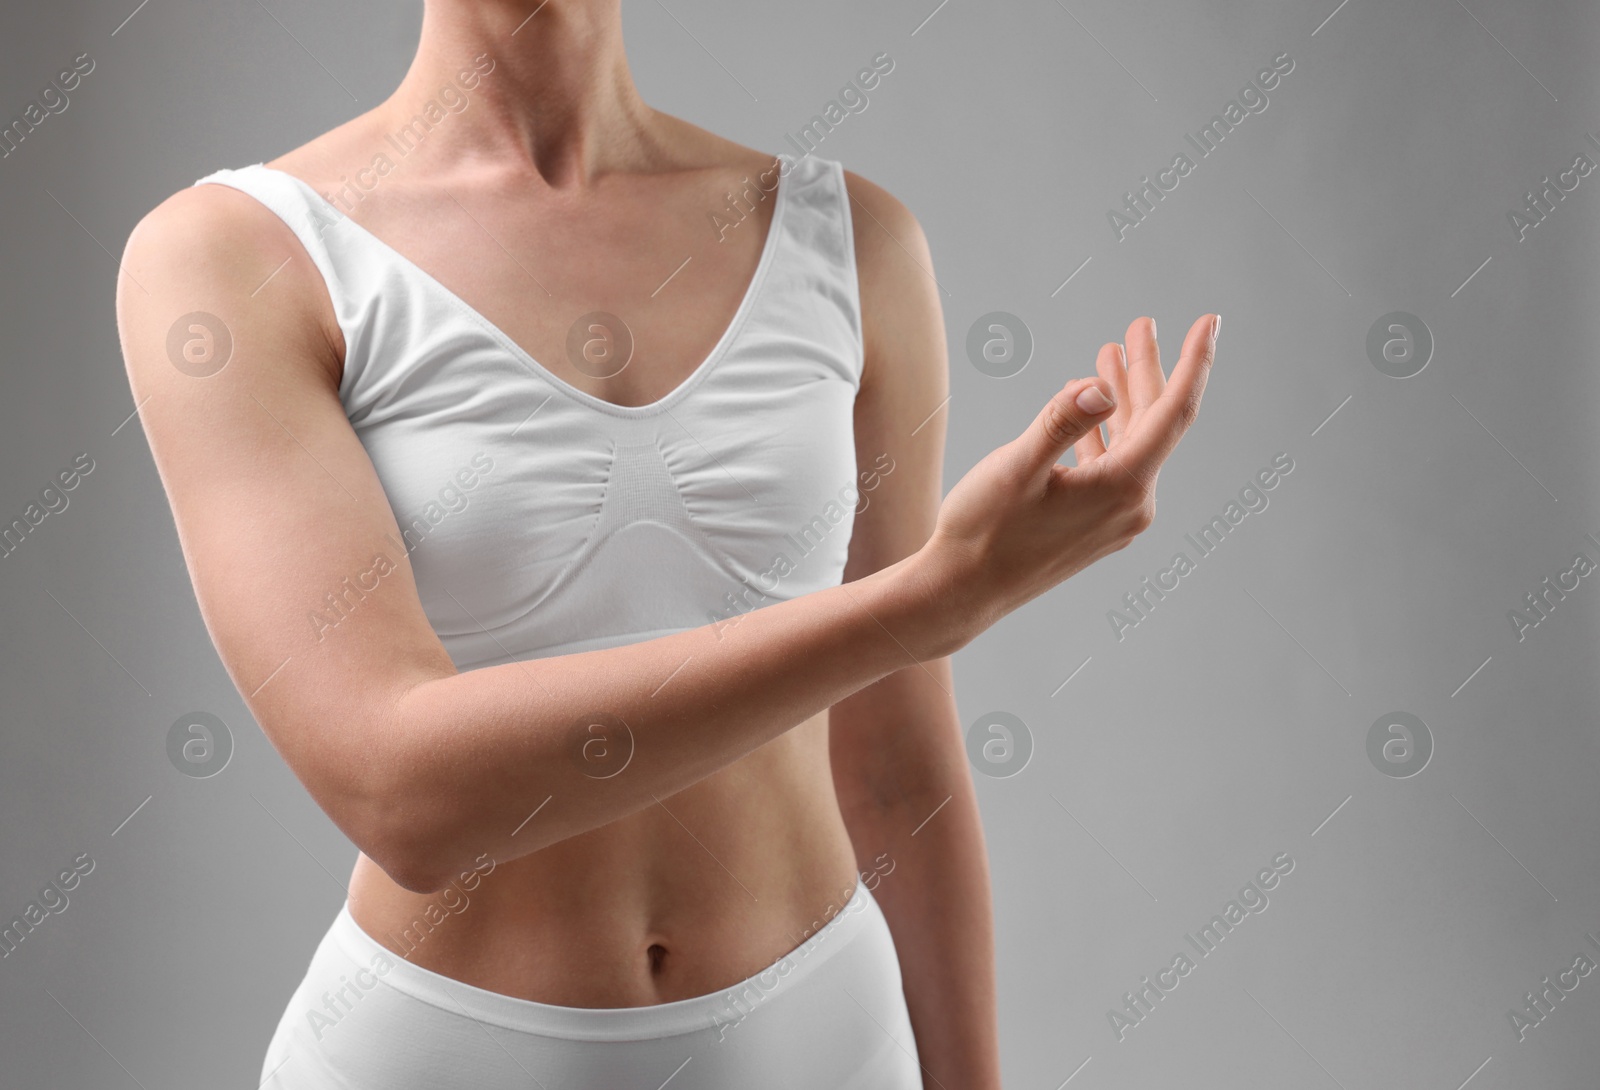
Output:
(1224, 729)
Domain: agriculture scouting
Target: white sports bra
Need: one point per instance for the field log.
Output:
(541, 520)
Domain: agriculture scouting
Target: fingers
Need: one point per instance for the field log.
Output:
(1062, 422)
(1112, 365)
(1158, 428)
(1145, 380)
(1090, 447)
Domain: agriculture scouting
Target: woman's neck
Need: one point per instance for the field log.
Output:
(559, 99)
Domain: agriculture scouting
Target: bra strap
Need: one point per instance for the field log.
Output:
(316, 224)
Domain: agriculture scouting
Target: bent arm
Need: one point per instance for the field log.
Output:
(277, 505)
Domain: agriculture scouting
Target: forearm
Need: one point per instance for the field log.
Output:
(936, 899)
(472, 755)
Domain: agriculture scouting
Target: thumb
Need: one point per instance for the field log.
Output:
(1067, 417)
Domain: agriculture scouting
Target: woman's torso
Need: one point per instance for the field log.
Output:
(719, 881)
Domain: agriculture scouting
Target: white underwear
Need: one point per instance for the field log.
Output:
(829, 1015)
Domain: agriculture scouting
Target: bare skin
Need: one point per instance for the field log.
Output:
(749, 806)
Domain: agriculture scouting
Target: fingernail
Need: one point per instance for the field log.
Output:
(1091, 400)
(1153, 329)
(1216, 324)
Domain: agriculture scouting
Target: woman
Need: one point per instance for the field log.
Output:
(560, 484)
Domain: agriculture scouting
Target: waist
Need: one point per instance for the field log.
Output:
(688, 896)
(855, 917)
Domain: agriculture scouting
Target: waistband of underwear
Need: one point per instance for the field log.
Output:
(609, 1023)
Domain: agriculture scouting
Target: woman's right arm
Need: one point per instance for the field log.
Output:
(277, 507)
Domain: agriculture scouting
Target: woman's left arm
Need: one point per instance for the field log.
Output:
(899, 760)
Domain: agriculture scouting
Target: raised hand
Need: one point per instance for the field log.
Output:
(1019, 522)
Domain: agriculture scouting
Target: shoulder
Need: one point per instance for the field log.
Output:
(879, 218)
(199, 233)
(894, 268)
(892, 252)
(217, 250)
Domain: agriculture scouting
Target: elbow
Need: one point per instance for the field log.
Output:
(410, 851)
(412, 819)
(408, 870)
(400, 836)
(419, 868)
(428, 857)
(398, 817)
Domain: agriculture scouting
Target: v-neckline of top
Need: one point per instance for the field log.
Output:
(769, 248)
